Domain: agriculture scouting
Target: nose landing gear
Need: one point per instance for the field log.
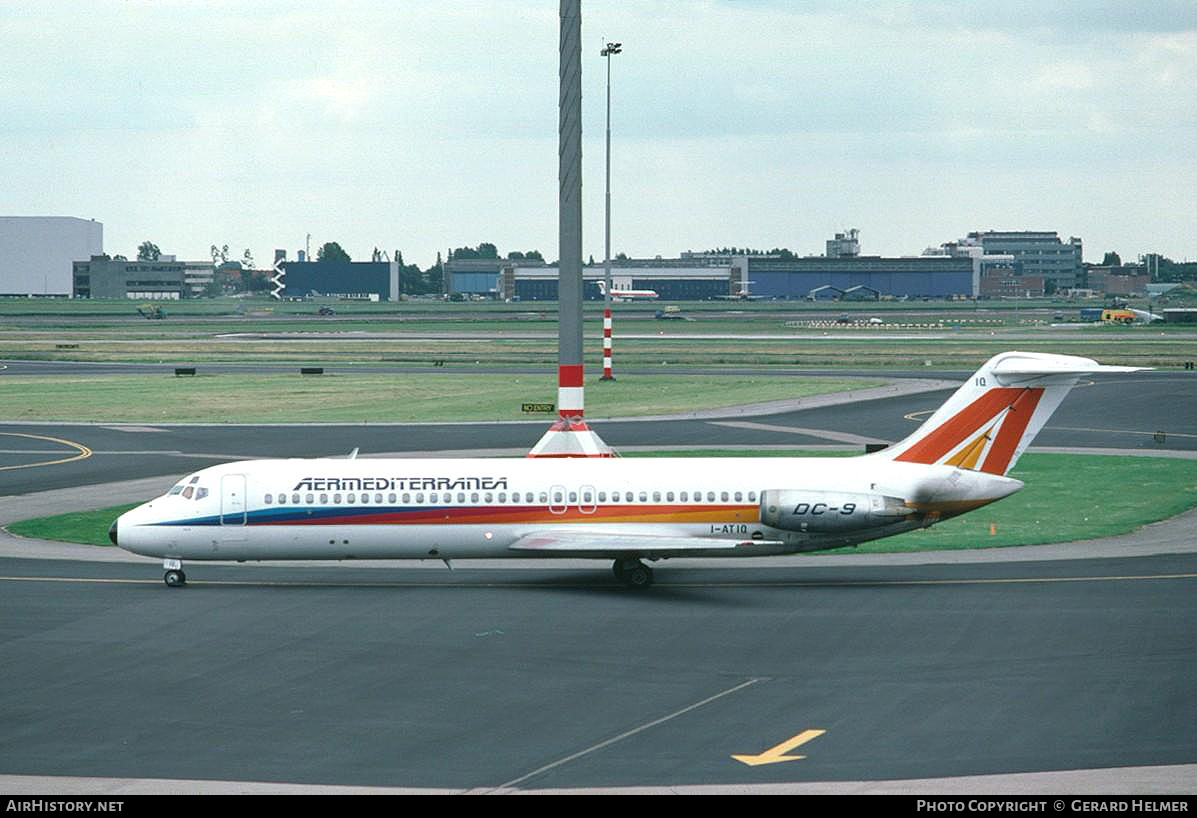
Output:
(632, 572)
(174, 576)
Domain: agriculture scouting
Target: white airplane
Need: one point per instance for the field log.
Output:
(1145, 316)
(619, 293)
(625, 510)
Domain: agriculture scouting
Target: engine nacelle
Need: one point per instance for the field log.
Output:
(829, 512)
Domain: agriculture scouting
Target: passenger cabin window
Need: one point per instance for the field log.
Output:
(294, 499)
(269, 499)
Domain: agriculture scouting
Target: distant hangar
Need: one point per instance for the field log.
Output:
(711, 277)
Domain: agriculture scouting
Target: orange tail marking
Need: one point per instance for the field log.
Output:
(968, 420)
(1002, 451)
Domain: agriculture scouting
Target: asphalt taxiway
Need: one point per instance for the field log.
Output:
(528, 679)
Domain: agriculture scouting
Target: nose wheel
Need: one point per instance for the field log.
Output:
(633, 573)
(174, 576)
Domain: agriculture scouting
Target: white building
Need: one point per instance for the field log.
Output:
(37, 253)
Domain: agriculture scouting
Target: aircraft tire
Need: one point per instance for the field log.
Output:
(637, 575)
(175, 579)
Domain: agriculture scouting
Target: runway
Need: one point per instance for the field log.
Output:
(529, 677)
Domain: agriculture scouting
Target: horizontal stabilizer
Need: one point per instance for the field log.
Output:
(588, 543)
(1023, 366)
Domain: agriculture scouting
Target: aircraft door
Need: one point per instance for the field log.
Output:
(232, 499)
(557, 501)
(586, 500)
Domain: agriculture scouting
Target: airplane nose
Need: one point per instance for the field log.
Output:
(112, 533)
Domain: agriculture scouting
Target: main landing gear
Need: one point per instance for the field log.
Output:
(632, 572)
(174, 576)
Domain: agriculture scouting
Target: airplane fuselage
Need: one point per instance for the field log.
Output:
(481, 508)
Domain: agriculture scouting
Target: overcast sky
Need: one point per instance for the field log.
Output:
(426, 125)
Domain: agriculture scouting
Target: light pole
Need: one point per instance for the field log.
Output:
(608, 50)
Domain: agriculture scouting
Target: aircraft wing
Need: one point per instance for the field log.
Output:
(584, 543)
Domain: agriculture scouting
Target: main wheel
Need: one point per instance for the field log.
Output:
(175, 579)
(637, 575)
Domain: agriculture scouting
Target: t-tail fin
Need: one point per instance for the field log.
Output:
(989, 421)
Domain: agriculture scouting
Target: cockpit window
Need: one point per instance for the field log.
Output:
(200, 493)
(187, 492)
(176, 489)
(194, 479)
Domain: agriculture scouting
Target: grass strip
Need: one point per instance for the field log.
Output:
(295, 398)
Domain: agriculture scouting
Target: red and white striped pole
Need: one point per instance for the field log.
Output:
(607, 376)
(569, 392)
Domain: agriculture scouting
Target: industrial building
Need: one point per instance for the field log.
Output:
(671, 279)
(359, 280)
(842, 273)
(1036, 253)
(907, 277)
(484, 276)
(37, 252)
(164, 279)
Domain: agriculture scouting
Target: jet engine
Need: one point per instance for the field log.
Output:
(829, 512)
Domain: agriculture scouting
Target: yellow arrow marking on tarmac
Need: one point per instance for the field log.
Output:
(776, 754)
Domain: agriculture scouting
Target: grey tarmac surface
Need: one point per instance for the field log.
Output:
(563, 679)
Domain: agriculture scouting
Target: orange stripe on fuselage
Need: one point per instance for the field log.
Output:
(952, 433)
